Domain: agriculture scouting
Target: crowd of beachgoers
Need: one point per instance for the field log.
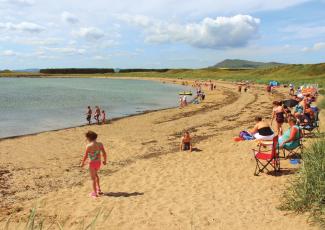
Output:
(297, 111)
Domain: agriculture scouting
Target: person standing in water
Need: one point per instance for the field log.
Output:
(103, 117)
(97, 114)
(93, 152)
(89, 113)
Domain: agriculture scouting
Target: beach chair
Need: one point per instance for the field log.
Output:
(267, 156)
(288, 153)
(311, 128)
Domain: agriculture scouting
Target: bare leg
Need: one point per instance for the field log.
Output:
(97, 182)
(93, 174)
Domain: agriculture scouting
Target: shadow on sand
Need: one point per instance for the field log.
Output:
(122, 194)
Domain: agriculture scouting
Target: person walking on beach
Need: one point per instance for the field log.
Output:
(89, 113)
(292, 89)
(278, 114)
(93, 152)
(103, 117)
(97, 114)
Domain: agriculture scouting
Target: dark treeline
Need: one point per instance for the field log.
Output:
(95, 70)
(76, 71)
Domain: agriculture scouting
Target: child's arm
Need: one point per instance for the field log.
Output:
(82, 164)
(104, 154)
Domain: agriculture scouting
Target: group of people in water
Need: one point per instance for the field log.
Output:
(99, 115)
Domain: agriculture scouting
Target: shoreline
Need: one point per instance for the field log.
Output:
(138, 113)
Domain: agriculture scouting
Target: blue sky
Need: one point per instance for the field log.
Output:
(158, 33)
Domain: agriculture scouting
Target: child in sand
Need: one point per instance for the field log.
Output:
(93, 152)
(103, 117)
(186, 142)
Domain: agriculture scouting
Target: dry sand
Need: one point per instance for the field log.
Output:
(148, 183)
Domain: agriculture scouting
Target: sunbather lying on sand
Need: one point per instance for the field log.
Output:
(186, 142)
(262, 130)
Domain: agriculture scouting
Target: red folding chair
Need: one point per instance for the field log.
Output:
(267, 156)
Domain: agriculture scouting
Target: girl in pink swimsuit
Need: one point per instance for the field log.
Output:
(93, 153)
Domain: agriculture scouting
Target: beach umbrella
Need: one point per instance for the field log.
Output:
(290, 103)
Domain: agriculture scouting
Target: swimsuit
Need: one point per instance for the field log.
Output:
(94, 160)
(279, 117)
(265, 131)
(187, 146)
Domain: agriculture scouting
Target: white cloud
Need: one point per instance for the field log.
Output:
(38, 41)
(8, 53)
(69, 17)
(90, 33)
(65, 50)
(316, 47)
(221, 32)
(23, 27)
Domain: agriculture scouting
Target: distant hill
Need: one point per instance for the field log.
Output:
(244, 64)
(27, 70)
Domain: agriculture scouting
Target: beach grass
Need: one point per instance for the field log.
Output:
(34, 222)
(306, 193)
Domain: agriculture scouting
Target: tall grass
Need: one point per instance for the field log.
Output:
(36, 223)
(306, 194)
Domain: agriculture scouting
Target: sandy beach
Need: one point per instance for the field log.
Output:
(148, 183)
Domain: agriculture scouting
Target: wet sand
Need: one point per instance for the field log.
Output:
(148, 183)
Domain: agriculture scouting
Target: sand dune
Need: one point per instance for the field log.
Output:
(148, 183)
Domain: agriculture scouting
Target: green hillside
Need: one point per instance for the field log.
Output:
(244, 64)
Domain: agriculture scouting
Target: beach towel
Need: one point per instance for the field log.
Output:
(246, 136)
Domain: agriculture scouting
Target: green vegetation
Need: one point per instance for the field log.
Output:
(34, 222)
(244, 64)
(297, 74)
(306, 194)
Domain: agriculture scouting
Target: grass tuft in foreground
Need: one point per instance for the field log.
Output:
(306, 194)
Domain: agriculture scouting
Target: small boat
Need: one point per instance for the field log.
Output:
(189, 93)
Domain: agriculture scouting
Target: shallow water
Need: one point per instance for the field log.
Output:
(31, 105)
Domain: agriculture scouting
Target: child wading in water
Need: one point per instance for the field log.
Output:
(93, 152)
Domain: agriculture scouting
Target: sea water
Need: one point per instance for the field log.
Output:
(32, 105)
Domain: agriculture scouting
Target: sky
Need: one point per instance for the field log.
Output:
(158, 33)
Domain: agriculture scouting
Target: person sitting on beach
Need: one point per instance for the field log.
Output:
(97, 114)
(93, 153)
(291, 138)
(103, 117)
(262, 130)
(278, 115)
(186, 143)
(89, 113)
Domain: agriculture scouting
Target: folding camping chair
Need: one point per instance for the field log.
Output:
(267, 155)
(310, 128)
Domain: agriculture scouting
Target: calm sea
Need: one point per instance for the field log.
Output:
(31, 105)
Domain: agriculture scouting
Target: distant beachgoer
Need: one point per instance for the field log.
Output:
(269, 88)
(278, 115)
(245, 89)
(103, 117)
(262, 130)
(89, 113)
(186, 143)
(184, 100)
(239, 88)
(291, 89)
(97, 114)
(93, 153)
